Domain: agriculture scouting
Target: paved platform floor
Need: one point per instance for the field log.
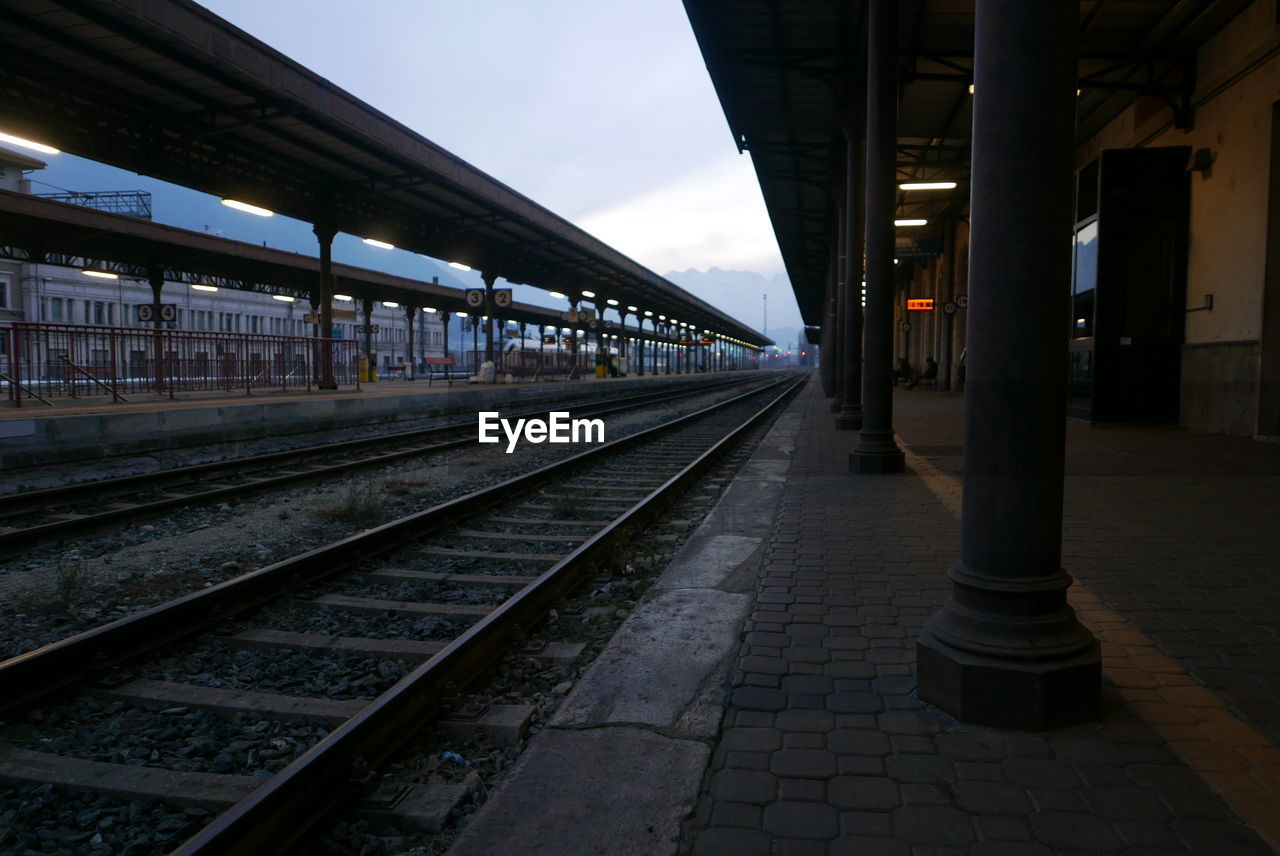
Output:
(1174, 539)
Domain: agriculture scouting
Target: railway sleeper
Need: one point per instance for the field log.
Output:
(412, 608)
(488, 554)
(414, 650)
(211, 791)
(287, 708)
(398, 575)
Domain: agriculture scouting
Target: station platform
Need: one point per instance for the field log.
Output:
(88, 428)
(761, 698)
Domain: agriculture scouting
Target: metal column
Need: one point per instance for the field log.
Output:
(877, 452)
(850, 417)
(1007, 650)
(324, 231)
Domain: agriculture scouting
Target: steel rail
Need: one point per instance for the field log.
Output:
(34, 674)
(22, 539)
(283, 809)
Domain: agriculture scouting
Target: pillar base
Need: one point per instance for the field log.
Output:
(877, 454)
(849, 419)
(836, 404)
(326, 386)
(1023, 696)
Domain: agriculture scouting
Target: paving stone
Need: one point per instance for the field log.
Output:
(933, 825)
(863, 793)
(1042, 773)
(789, 819)
(751, 739)
(848, 741)
(1066, 830)
(728, 813)
(808, 763)
(863, 845)
(991, 798)
(745, 786)
(719, 840)
(866, 823)
(1121, 803)
(759, 699)
(812, 790)
(920, 768)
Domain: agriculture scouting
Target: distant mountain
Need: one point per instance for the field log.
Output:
(740, 293)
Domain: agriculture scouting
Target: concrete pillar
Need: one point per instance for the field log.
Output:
(850, 417)
(839, 364)
(447, 317)
(826, 367)
(155, 278)
(1007, 650)
(877, 452)
(367, 305)
(324, 231)
(489, 280)
(411, 359)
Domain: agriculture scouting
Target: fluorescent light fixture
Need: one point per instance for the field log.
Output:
(382, 245)
(648, 313)
(970, 88)
(611, 302)
(566, 329)
(100, 274)
(662, 318)
(428, 310)
(247, 208)
(28, 144)
(345, 298)
(391, 304)
(199, 286)
(928, 185)
(283, 298)
(910, 222)
(557, 295)
(588, 294)
(461, 314)
(632, 309)
(459, 266)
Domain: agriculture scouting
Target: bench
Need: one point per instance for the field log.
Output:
(442, 367)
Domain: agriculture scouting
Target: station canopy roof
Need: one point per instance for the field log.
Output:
(783, 70)
(168, 89)
(35, 229)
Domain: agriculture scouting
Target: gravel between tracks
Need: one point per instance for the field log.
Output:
(60, 590)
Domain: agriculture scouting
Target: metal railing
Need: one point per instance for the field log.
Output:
(44, 361)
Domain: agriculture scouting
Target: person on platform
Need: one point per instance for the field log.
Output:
(903, 372)
(930, 372)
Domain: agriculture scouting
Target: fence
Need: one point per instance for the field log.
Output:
(71, 360)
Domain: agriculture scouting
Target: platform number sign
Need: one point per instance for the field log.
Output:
(367, 328)
(962, 301)
(949, 308)
(502, 297)
(475, 298)
(168, 312)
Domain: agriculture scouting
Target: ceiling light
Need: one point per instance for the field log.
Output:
(588, 294)
(461, 314)
(283, 298)
(970, 88)
(100, 274)
(557, 295)
(632, 309)
(611, 302)
(345, 298)
(382, 245)
(648, 313)
(428, 310)
(199, 286)
(928, 185)
(28, 144)
(459, 266)
(391, 304)
(247, 208)
(910, 222)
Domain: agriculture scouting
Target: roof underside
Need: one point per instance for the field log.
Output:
(168, 89)
(783, 70)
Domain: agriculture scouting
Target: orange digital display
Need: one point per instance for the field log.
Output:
(924, 304)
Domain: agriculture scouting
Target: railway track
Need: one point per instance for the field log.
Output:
(33, 518)
(478, 571)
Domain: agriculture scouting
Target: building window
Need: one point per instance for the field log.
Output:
(4, 291)
(99, 312)
(55, 307)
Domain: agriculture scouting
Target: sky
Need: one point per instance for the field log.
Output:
(602, 112)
